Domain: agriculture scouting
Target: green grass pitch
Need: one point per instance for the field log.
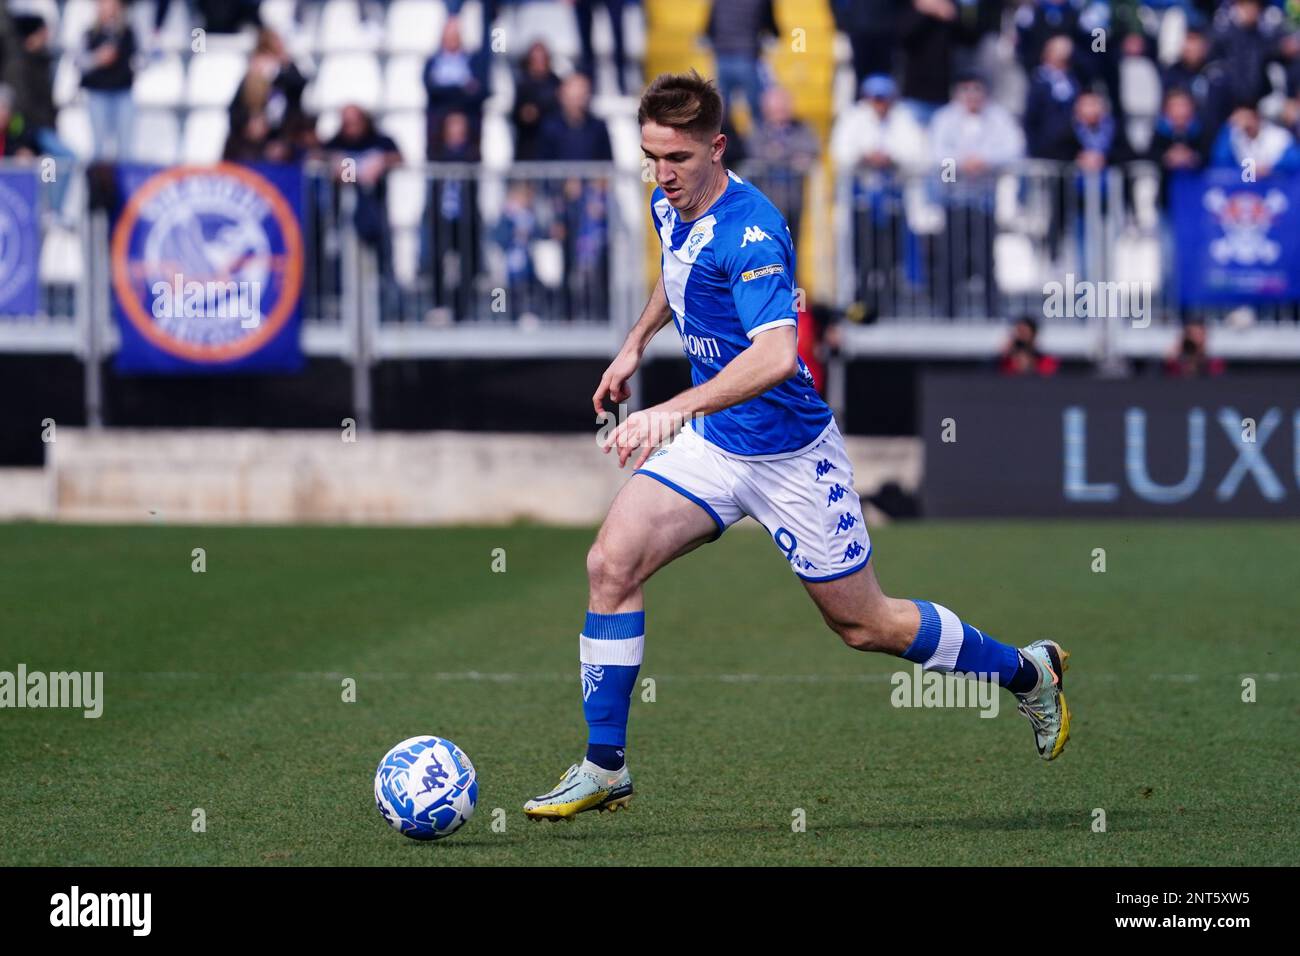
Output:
(224, 692)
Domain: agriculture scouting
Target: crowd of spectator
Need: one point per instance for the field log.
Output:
(977, 84)
(1219, 102)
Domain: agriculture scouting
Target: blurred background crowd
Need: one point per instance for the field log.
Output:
(955, 92)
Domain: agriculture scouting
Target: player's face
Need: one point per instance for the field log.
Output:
(682, 164)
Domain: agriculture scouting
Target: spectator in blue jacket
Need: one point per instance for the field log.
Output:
(1251, 143)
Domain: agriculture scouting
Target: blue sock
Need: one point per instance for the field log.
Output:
(944, 642)
(606, 756)
(611, 646)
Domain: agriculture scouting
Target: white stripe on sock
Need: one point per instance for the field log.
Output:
(944, 657)
(625, 651)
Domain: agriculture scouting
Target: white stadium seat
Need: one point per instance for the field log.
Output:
(1014, 264)
(625, 140)
(345, 78)
(67, 80)
(407, 189)
(633, 33)
(472, 27)
(404, 82)
(61, 262)
(74, 129)
(550, 21)
(205, 136)
(279, 15)
(78, 18)
(214, 77)
(406, 256)
(327, 125)
(160, 82)
(501, 83)
(1139, 86)
(157, 136)
(177, 30)
(414, 26)
(497, 145)
(409, 130)
(342, 28)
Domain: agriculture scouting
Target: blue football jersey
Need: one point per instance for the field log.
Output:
(729, 275)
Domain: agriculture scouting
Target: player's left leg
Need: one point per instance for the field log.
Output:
(809, 506)
(856, 609)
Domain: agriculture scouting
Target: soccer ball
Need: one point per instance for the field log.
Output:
(426, 788)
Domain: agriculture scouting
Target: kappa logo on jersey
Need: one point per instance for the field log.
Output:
(753, 234)
(837, 492)
(771, 270)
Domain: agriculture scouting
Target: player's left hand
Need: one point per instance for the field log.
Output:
(645, 430)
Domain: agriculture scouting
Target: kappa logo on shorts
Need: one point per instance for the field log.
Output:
(836, 493)
(824, 467)
(847, 521)
(852, 551)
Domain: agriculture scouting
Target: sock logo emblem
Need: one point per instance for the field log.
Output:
(592, 675)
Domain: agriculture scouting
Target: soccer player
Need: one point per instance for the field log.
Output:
(752, 437)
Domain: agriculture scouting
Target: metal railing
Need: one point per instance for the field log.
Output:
(446, 244)
(919, 247)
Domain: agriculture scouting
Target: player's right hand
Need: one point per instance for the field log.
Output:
(613, 384)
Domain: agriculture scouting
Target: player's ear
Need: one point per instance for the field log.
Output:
(719, 146)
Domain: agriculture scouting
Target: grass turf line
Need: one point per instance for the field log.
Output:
(223, 692)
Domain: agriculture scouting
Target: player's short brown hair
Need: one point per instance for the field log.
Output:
(683, 101)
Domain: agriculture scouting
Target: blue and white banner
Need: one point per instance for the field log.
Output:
(1238, 243)
(20, 242)
(207, 266)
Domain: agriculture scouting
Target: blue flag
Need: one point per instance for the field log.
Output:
(20, 243)
(207, 266)
(1238, 243)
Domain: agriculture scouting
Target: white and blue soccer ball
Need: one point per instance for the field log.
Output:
(426, 788)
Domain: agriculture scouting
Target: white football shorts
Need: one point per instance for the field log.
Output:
(805, 501)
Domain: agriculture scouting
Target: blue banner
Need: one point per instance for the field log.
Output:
(1238, 243)
(20, 243)
(207, 268)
